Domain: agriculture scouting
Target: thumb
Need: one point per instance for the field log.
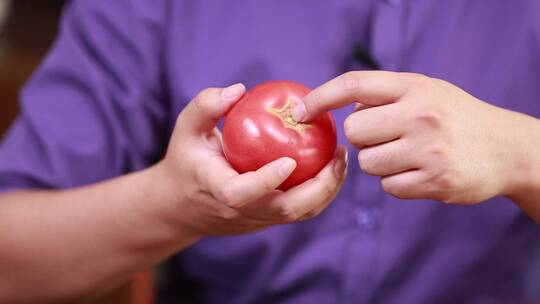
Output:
(251, 186)
(203, 112)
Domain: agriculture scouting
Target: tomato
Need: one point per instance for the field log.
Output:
(259, 128)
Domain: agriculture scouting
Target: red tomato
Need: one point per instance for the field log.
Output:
(259, 129)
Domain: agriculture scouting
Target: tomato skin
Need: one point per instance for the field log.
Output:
(256, 133)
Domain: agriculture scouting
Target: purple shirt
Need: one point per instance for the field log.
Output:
(106, 98)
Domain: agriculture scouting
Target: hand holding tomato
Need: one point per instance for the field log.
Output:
(426, 138)
(260, 128)
(211, 198)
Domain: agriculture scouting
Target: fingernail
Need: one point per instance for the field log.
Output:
(299, 111)
(232, 92)
(339, 167)
(286, 166)
(341, 163)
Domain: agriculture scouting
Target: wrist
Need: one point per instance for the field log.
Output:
(524, 143)
(168, 200)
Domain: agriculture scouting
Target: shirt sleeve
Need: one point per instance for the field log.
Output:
(95, 108)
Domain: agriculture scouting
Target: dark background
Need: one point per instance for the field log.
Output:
(24, 40)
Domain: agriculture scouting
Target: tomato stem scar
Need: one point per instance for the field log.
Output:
(285, 114)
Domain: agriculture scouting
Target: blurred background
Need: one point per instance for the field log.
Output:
(27, 31)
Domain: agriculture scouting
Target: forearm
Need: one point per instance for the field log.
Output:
(65, 244)
(524, 132)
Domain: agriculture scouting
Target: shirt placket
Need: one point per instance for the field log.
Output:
(386, 44)
(367, 208)
(361, 251)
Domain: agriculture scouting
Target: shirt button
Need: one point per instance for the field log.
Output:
(393, 2)
(366, 220)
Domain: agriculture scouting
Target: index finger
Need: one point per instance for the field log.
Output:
(372, 88)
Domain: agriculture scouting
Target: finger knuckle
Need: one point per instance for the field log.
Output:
(227, 214)
(201, 102)
(418, 79)
(387, 185)
(193, 195)
(363, 160)
(430, 116)
(312, 214)
(227, 195)
(349, 127)
(351, 80)
(316, 101)
(446, 196)
(394, 189)
(288, 214)
(441, 83)
(327, 188)
(438, 152)
(267, 184)
(200, 105)
(445, 181)
(206, 94)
